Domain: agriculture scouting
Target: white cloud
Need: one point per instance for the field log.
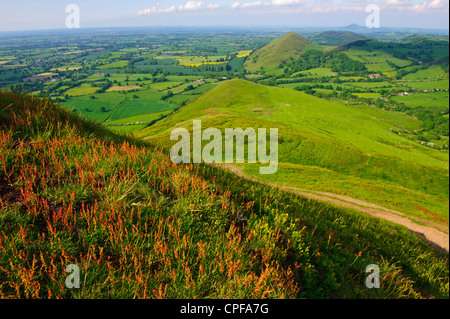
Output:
(438, 4)
(419, 7)
(247, 4)
(188, 6)
(191, 6)
(274, 3)
(153, 9)
(396, 2)
(168, 10)
(287, 2)
(327, 6)
(235, 5)
(251, 4)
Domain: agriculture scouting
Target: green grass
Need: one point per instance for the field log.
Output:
(379, 67)
(139, 226)
(317, 72)
(93, 108)
(127, 129)
(370, 85)
(388, 195)
(327, 135)
(162, 86)
(428, 85)
(181, 88)
(375, 60)
(136, 107)
(83, 89)
(201, 89)
(139, 118)
(369, 95)
(183, 78)
(433, 71)
(424, 99)
(269, 57)
(113, 65)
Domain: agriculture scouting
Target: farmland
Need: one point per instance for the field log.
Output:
(141, 76)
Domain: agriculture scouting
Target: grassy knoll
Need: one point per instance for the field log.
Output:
(139, 226)
(289, 46)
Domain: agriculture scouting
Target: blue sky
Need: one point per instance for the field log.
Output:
(50, 14)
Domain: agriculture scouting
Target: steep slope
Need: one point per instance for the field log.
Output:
(138, 226)
(289, 46)
(322, 141)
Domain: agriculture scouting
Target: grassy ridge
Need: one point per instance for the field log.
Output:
(328, 135)
(141, 227)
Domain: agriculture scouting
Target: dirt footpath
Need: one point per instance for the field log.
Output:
(436, 235)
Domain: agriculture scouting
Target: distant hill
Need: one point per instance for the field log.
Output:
(289, 46)
(415, 48)
(357, 43)
(416, 38)
(335, 38)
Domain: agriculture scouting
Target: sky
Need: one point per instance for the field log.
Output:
(51, 14)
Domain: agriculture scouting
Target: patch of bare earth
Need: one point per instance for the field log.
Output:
(8, 193)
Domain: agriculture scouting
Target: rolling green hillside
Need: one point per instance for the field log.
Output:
(353, 143)
(287, 47)
(139, 226)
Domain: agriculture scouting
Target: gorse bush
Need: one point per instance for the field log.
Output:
(139, 226)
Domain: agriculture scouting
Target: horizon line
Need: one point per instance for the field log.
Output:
(230, 27)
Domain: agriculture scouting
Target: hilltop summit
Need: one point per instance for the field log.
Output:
(290, 45)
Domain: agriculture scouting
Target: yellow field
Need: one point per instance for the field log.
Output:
(46, 74)
(64, 68)
(123, 88)
(243, 53)
(203, 63)
(390, 74)
(81, 90)
(6, 59)
(200, 60)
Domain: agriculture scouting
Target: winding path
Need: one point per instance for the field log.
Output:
(434, 234)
